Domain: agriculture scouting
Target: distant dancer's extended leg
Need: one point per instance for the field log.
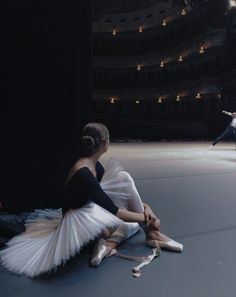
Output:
(226, 134)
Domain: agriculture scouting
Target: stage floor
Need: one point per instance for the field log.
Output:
(193, 191)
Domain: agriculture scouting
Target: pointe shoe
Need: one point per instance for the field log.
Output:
(170, 245)
(156, 239)
(100, 251)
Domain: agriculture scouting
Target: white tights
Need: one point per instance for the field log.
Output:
(134, 203)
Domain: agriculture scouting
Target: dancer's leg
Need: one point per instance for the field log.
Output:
(226, 134)
(154, 238)
(103, 247)
(135, 204)
(123, 232)
(134, 201)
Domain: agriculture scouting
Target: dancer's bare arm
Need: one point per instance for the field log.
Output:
(228, 113)
(130, 216)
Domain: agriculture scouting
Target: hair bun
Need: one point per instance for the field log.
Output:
(89, 140)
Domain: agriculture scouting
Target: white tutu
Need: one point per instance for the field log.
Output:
(50, 239)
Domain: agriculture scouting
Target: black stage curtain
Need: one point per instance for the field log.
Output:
(45, 97)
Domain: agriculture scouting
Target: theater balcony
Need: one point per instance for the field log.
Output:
(166, 68)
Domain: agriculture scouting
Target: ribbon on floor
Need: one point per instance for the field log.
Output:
(144, 260)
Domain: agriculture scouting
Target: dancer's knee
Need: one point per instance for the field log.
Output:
(125, 176)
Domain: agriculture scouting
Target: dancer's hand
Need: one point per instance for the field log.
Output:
(155, 223)
(148, 213)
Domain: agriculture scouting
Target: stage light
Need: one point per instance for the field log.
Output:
(159, 100)
(183, 12)
(112, 100)
(139, 67)
(164, 23)
(198, 96)
(137, 101)
(177, 98)
(162, 64)
(180, 58)
(232, 3)
(219, 96)
(201, 51)
(140, 29)
(114, 32)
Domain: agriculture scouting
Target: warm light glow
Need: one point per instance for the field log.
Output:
(180, 59)
(198, 96)
(140, 29)
(138, 67)
(164, 23)
(162, 64)
(177, 98)
(112, 100)
(201, 51)
(232, 3)
(183, 12)
(159, 100)
(137, 101)
(114, 32)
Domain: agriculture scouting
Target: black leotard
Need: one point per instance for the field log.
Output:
(84, 186)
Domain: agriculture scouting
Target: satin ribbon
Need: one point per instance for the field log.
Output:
(144, 260)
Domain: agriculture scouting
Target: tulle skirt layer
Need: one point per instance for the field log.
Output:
(50, 239)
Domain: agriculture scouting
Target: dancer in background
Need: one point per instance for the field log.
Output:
(95, 202)
(230, 131)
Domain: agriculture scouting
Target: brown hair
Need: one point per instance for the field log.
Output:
(91, 140)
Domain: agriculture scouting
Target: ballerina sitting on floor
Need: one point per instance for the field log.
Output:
(94, 201)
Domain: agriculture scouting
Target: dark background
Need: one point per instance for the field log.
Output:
(45, 97)
(48, 91)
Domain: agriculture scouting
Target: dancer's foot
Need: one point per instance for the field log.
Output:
(170, 245)
(211, 147)
(100, 251)
(106, 233)
(157, 239)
